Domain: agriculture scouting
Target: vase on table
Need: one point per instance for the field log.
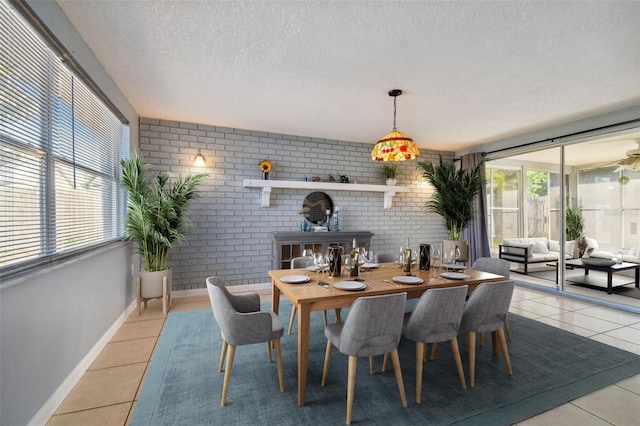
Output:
(265, 175)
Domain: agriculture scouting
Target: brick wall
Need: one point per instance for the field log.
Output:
(231, 232)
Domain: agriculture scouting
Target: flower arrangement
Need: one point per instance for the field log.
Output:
(265, 165)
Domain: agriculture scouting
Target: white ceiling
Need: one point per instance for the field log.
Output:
(471, 72)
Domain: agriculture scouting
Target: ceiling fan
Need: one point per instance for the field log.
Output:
(632, 160)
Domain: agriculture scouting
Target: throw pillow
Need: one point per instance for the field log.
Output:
(634, 251)
(540, 247)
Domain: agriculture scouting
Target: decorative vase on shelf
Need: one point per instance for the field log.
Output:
(265, 175)
(391, 181)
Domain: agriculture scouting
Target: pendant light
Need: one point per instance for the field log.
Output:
(395, 146)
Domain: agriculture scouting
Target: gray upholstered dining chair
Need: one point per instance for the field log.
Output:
(297, 263)
(242, 323)
(436, 318)
(373, 327)
(386, 257)
(494, 266)
(486, 311)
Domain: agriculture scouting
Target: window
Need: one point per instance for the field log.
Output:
(60, 148)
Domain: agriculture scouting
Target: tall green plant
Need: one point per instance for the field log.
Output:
(574, 222)
(156, 216)
(455, 190)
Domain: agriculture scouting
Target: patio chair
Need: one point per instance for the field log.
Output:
(242, 323)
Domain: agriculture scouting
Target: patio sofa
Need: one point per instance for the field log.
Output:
(631, 256)
(533, 250)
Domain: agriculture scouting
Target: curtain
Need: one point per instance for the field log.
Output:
(476, 233)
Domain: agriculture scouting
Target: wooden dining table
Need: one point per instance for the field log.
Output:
(311, 296)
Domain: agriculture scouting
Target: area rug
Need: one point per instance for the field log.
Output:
(628, 290)
(550, 367)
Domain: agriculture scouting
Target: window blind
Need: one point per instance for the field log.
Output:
(59, 156)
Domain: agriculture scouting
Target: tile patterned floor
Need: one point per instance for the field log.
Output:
(107, 393)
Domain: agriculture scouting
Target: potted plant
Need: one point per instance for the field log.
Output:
(156, 220)
(455, 191)
(390, 173)
(574, 226)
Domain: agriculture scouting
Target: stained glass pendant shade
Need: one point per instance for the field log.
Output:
(395, 146)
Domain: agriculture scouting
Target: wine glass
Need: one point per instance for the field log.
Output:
(308, 254)
(435, 256)
(318, 261)
(456, 255)
(346, 265)
(447, 258)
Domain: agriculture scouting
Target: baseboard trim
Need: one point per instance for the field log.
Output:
(51, 405)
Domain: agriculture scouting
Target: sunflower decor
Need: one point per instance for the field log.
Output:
(265, 167)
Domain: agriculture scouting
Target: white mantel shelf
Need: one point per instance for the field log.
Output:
(266, 185)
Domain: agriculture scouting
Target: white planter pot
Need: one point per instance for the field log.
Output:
(151, 283)
(391, 181)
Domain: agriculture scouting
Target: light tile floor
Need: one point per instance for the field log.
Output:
(107, 393)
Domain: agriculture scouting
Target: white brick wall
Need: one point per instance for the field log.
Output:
(231, 235)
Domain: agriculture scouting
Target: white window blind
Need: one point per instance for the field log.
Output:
(59, 156)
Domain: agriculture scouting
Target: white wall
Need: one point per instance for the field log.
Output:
(50, 321)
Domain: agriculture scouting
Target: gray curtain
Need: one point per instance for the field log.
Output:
(476, 233)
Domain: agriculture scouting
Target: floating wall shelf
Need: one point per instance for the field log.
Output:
(266, 185)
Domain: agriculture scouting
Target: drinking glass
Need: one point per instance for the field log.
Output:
(447, 258)
(308, 254)
(318, 261)
(456, 255)
(435, 256)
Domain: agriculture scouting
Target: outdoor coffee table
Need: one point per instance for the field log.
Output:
(610, 270)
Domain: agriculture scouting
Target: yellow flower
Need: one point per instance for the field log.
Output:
(265, 165)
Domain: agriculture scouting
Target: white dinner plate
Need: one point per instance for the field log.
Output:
(405, 279)
(350, 285)
(370, 265)
(454, 275)
(295, 279)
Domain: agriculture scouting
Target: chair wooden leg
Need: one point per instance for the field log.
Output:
(371, 366)
(505, 351)
(456, 357)
(506, 328)
(434, 346)
(279, 363)
(481, 339)
(324, 317)
(294, 309)
(165, 295)
(338, 318)
(395, 360)
(384, 362)
(222, 355)
(351, 385)
(325, 368)
(420, 350)
(139, 295)
(269, 352)
(231, 351)
(494, 343)
(471, 339)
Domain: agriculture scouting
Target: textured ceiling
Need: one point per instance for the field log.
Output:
(471, 72)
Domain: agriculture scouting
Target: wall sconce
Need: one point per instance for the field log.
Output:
(199, 160)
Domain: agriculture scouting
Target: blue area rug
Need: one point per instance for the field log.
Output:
(550, 367)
